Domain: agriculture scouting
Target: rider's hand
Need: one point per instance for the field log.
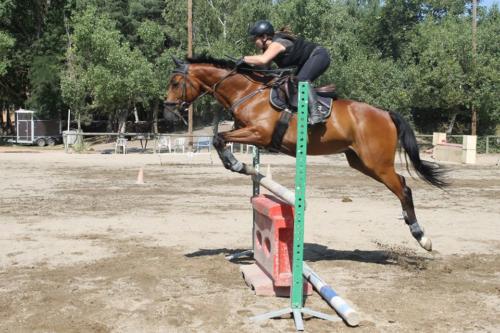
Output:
(240, 62)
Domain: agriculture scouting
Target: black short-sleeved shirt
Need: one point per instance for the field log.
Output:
(297, 50)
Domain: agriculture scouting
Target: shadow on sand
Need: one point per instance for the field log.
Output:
(315, 252)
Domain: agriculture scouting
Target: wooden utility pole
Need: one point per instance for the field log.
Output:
(473, 124)
(190, 54)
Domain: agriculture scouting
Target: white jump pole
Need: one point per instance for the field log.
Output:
(331, 297)
(278, 189)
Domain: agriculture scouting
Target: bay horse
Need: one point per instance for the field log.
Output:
(368, 136)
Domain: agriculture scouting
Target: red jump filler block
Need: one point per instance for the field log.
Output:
(271, 275)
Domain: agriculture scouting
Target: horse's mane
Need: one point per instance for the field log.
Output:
(207, 59)
(229, 64)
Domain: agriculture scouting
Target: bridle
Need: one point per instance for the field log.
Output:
(182, 69)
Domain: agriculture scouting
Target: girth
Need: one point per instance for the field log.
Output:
(280, 130)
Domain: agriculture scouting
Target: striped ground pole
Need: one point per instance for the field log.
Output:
(331, 297)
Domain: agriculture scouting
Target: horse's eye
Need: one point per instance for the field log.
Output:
(175, 84)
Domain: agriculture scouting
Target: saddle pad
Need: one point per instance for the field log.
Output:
(276, 100)
(326, 105)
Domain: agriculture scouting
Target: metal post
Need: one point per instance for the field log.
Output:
(190, 55)
(296, 295)
(300, 193)
(256, 189)
(256, 165)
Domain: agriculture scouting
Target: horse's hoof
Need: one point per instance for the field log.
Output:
(425, 243)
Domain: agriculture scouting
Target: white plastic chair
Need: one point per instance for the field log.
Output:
(179, 143)
(250, 149)
(246, 148)
(203, 142)
(121, 142)
(164, 142)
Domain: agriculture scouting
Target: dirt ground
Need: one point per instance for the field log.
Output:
(85, 249)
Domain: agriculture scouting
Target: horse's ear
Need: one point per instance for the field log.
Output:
(177, 62)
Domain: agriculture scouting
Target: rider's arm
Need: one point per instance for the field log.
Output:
(263, 59)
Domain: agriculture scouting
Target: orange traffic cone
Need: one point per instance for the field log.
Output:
(140, 177)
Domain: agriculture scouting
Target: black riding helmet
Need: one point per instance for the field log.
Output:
(261, 27)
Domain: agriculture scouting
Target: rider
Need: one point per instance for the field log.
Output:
(288, 50)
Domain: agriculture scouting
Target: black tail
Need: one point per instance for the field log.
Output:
(430, 172)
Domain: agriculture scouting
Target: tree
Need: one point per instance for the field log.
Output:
(119, 76)
(445, 77)
(34, 31)
(409, 55)
(486, 73)
(6, 40)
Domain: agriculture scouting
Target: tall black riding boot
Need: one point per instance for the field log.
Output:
(315, 112)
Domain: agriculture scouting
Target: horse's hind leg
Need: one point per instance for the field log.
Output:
(411, 218)
(385, 173)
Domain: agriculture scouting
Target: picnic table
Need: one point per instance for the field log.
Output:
(143, 139)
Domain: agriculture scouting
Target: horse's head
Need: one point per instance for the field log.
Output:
(202, 75)
(182, 89)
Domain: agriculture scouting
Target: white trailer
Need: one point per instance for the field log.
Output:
(34, 131)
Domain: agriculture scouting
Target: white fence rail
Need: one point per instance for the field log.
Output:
(485, 144)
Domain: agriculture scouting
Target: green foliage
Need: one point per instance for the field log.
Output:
(105, 57)
(486, 74)
(441, 60)
(6, 43)
(397, 19)
(6, 40)
(152, 37)
(445, 75)
(118, 76)
(46, 94)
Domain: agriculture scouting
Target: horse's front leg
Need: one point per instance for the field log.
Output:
(248, 135)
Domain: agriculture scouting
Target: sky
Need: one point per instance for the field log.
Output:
(489, 2)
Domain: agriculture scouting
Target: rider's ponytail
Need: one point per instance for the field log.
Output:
(287, 31)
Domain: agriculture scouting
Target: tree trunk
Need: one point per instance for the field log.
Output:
(136, 115)
(11, 121)
(155, 116)
(122, 121)
(452, 123)
(474, 121)
(79, 138)
(473, 124)
(3, 122)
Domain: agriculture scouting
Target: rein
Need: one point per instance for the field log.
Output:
(183, 70)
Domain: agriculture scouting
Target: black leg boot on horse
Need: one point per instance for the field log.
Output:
(228, 160)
